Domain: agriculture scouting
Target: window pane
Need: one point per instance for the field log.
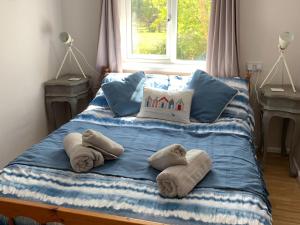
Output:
(149, 26)
(192, 29)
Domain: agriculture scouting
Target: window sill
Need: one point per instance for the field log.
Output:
(164, 68)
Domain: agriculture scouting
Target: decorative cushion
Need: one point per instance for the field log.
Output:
(211, 96)
(157, 81)
(177, 83)
(152, 80)
(166, 105)
(124, 96)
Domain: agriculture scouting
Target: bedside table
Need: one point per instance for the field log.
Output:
(285, 105)
(69, 92)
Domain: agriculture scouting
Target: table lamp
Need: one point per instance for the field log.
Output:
(68, 41)
(284, 40)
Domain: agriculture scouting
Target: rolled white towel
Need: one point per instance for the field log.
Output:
(109, 148)
(82, 159)
(171, 155)
(178, 181)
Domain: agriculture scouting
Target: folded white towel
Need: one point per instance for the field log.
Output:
(178, 181)
(109, 148)
(82, 159)
(171, 155)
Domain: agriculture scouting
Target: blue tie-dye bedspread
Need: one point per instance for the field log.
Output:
(232, 193)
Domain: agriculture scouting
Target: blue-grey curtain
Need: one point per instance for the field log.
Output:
(222, 55)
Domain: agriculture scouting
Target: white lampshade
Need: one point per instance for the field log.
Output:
(66, 38)
(285, 39)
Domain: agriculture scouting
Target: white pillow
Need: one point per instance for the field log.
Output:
(166, 105)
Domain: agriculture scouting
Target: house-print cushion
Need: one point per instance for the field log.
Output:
(166, 105)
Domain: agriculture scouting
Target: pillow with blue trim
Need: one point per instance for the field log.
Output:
(211, 96)
(124, 96)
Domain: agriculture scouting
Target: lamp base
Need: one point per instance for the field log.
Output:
(281, 57)
(70, 51)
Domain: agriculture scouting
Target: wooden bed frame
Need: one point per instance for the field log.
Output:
(43, 213)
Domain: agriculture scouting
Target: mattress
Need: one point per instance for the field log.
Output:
(232, 193)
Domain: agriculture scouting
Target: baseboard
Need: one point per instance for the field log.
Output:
(276, 149)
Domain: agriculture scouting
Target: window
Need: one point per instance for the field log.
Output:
(166, 30)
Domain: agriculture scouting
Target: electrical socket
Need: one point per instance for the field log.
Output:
(254, 66)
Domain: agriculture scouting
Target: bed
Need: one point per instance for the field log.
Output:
(232, 193)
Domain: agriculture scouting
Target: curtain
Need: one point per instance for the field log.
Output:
(109, 46)
(222, 55)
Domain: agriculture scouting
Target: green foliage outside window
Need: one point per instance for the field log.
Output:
(149, 26)
(149, 23)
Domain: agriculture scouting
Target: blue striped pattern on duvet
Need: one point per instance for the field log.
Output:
(130, 197)
(140, 198)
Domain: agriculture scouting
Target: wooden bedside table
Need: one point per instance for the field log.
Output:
(66, 91)
(285, 105)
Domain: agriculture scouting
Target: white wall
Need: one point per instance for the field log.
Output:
(260, 24)
(81, 19)
(261, 21)
(29, 55)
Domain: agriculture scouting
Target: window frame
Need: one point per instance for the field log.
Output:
(171, 41)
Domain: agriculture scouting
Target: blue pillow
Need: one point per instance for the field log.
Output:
(124, 96)
(152, 80)
(211, 97)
